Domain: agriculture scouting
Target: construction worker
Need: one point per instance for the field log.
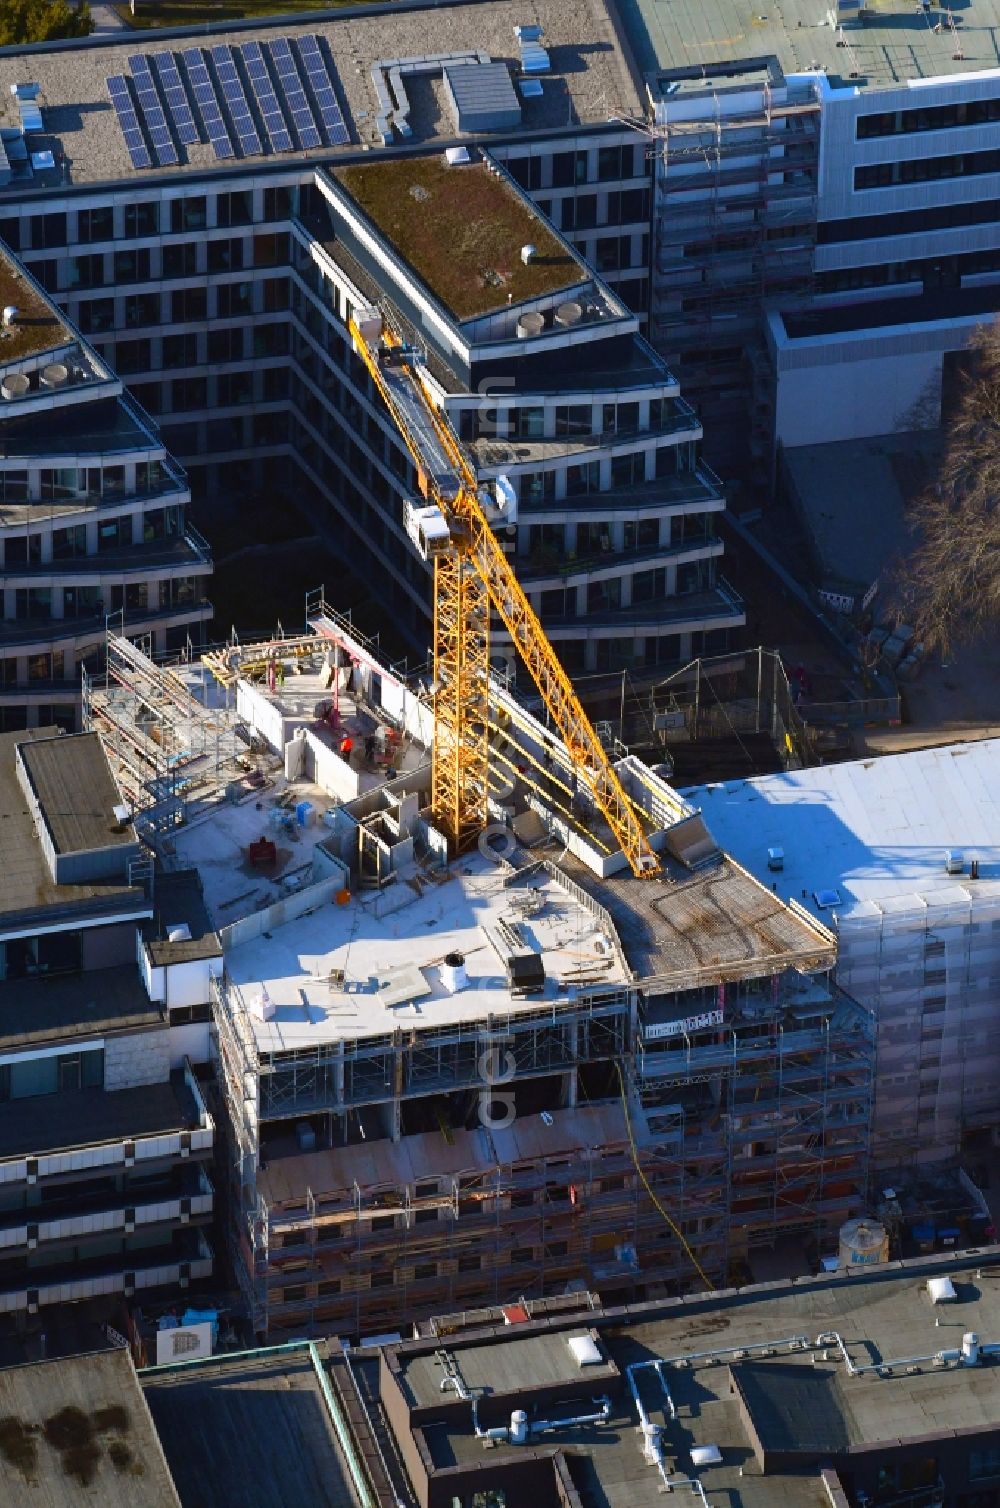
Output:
(346, 745)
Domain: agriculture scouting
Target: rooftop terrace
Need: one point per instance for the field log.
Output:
(462, 229)
(37, 326)
(589, 81)
(896, 41)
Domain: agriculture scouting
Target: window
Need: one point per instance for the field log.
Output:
(132, 266)
(132, 356)
(469, 1264)
(56, 1074)
(95, 224)
(277, 203)
(234, 209)
(113, 533)
(188, 393)
(574, 419)
(270, 250)
(85, 272)
(188, 214)
(189, 304)
(424, 1270)
(180, 261)
(142, 220)
(225, 345)
(234, 299)
(180, 350)
(522, 1256)
(48, 231)
(527, 171)
(142, 309)
(583, 479)
(96, 315)
(328, 1288)
(225, 256)
(33, 604)
(45, 667)
(68, 543)
(294, 1295)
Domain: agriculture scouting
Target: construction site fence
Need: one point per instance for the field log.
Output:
(871, 711)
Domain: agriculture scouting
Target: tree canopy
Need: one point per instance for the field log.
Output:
(950, 582)
(42, 21)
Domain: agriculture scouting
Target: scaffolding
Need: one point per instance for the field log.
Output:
(735, 230)
(174, 747)
(931, 963)
(762, 1128)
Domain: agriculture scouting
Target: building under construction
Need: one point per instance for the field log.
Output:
(736, 148)
(447, 1085)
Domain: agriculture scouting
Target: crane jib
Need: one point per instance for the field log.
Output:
(471, 571)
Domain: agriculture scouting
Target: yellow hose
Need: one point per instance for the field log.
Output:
(649, 1188)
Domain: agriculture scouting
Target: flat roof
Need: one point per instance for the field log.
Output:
(251, 1429)
(88, 1117)
(77, 1430)
(707, 926)
(896, 42)
(876, 831)
(507, 1366)
(178, 900)
(852, 496)
(27, 889)
(57, 1006)
(461, 229)
(392, 962)
(589, 80)
(76, 793)
(798, 1395)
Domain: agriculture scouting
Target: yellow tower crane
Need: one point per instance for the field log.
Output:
(471, 572)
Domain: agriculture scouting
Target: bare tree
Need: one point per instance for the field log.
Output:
(949, 584)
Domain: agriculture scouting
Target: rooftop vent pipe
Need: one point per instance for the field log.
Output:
(10, 314)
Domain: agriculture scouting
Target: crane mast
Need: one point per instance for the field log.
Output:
(471, 573)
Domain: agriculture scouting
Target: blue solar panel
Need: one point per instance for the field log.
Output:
(292, 95)
(177, 103)
(235, 98)
(203, 91)
(320, 81)
(152, 112)
(121, 99)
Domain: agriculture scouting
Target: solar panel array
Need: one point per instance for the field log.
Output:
(176, 99)
(207, 101)
(278, 117)
(129, 121)
(275, 126)
(297, 106)
(236, 100)
(319, 80)
(152, 112)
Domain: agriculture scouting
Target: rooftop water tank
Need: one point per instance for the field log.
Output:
(862, 1243)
